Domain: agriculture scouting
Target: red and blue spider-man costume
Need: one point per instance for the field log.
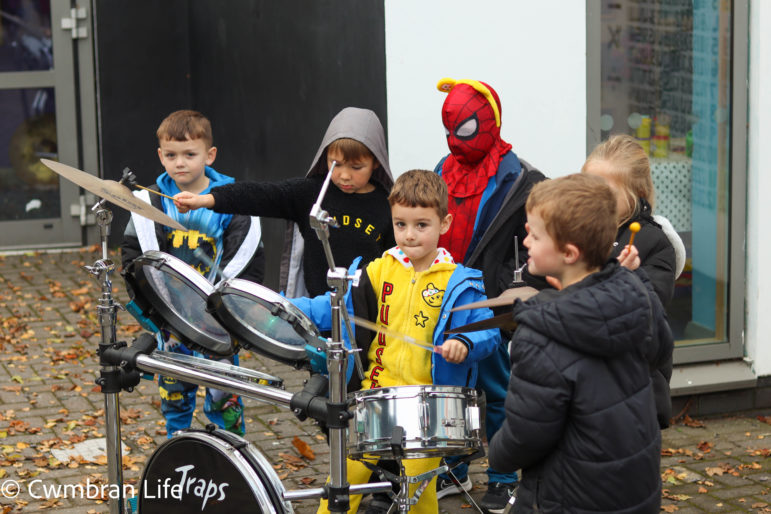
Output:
(472, 121)
(488, 186)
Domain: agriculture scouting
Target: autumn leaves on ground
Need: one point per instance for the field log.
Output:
(49, 404)
(49, 334)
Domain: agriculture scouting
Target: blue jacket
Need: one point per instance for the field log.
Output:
(465, 286)
(233, 242)
(501, 217)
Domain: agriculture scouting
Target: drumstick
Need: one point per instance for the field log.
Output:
(154, 191)
(635, 228)
(391, 333)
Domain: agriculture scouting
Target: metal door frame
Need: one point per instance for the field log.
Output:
(73, 82)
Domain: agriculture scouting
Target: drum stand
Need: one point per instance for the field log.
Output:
(111, 378)
(337, 365)
(402, 499)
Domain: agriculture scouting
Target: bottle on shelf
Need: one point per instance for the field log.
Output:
(660, 141)
(643, 134)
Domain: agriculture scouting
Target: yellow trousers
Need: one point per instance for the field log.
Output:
(358, 473)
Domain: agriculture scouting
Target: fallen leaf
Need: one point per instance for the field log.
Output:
(303, 447)
(705, 446)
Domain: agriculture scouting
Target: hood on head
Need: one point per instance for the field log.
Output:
(364, 126)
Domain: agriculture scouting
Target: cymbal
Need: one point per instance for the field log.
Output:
(114, 192)
(505, 298)
(504, 321)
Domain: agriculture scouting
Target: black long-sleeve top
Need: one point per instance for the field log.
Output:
(365, 220)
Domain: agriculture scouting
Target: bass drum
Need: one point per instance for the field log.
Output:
(212, 472)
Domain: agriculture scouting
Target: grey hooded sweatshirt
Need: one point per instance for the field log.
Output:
(365, 219)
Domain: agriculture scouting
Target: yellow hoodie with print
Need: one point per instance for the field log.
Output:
(408, 302)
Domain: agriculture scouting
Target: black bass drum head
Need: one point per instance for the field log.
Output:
(211, 472)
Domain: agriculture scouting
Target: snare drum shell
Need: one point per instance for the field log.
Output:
(213, 472)
(438, 421)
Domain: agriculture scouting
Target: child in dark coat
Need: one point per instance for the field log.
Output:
(580, 412)
(624, 164)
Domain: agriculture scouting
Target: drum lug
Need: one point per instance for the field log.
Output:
(473, 416)
(424, 412)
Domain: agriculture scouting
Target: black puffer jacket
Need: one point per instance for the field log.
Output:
(580, 414)
(657, 255)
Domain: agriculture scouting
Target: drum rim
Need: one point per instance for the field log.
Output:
(234, 455)
(250, 337)
(410, 391)
(165, 316)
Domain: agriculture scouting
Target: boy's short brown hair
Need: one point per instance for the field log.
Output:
(351, 149)
(420, 188)
(578, 209)
(184, 125)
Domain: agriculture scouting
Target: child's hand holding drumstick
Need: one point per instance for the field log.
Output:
(629, 256)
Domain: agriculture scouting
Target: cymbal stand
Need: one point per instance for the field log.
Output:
(110, 376)
(337, 359)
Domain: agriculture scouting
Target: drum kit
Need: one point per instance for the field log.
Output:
(216, 471)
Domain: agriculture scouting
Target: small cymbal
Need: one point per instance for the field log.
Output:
(505, 298)
(113, 192)
(504, 321)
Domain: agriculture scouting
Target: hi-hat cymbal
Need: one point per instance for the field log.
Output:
(504, 321)
(505, 298)
(114, 192)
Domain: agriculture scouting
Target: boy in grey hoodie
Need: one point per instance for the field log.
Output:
(359, 202)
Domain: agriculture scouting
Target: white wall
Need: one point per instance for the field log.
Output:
(532, 53)
(758, 327)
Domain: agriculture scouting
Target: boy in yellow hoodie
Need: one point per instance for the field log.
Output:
(411, 289)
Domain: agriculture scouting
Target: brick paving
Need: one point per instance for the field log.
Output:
(49, 334)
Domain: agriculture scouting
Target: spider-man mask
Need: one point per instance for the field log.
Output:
(469, 121)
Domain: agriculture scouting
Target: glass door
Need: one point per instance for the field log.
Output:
(666, 75)
(37, 120)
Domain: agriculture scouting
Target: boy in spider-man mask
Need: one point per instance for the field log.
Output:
(488, 186)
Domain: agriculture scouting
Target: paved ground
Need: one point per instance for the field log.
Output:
(49, 333)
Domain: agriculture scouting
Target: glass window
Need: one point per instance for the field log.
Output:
(666, 80)
(25, 35)
(28, 189)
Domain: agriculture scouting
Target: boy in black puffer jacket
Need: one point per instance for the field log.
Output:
(580, 411)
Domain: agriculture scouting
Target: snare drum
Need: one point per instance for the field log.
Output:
(262, 320)
(438, 421)
(172, 294)
(210, 472)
